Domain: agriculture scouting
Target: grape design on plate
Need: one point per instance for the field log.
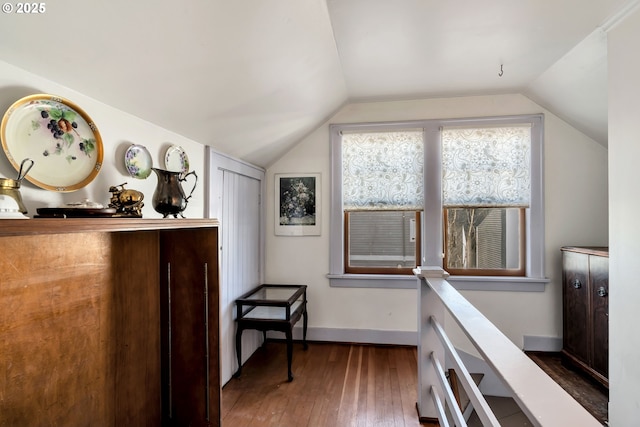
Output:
(62, 124)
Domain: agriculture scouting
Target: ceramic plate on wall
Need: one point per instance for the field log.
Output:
(138, 161)
(59, 136)
(176, 160)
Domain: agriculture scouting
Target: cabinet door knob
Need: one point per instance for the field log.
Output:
(602, 292)
(577, 284)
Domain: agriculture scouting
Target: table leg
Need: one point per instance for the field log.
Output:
(289, 352)
(238, 352)
(304, 327)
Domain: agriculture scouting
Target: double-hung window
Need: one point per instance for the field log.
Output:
(486, 189)
(465, 195)
(382, 199)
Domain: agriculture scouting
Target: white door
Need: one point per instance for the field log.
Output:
(235, 190)
(240, 261)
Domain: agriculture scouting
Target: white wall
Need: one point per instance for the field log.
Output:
(624, 205)
(576, 214)
(118, 130)
(576, 203)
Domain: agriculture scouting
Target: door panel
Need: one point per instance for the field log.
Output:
(576, 322)
(240, 272)
(600, 299)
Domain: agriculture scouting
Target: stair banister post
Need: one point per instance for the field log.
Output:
(429, 304)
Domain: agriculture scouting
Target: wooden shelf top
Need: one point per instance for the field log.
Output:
(17, 227)
(590, 250)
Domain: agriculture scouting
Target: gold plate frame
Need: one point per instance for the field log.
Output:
(59, 136)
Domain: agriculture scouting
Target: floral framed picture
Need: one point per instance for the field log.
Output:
(297, 204)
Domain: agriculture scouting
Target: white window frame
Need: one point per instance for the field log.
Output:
(432, 227)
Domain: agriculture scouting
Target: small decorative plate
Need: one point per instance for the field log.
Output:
(138, 161)
(59, 136)
(176, 160)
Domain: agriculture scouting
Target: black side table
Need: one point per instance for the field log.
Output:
(272, 308)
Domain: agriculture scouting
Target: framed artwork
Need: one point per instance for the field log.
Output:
(297, 204)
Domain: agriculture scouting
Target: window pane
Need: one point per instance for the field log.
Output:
(486, 166)
(383, 170)
(484, 239)
(385, 239)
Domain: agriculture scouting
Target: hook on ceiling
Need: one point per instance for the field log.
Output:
(501, 70)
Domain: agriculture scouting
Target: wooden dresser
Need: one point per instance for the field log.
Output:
(585, 302)
(109, 322)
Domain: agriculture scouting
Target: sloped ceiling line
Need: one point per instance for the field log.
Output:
(251, 78)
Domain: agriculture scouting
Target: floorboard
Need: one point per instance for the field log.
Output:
(591, 395)
(338, 385)
(334, 385)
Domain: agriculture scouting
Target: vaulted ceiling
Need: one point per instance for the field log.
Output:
(253, 77)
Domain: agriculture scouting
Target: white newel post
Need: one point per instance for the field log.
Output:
(428, 342)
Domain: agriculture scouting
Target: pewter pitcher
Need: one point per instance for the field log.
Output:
(169, 197)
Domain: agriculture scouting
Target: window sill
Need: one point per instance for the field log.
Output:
(498, 283)
(461, 283)
(388, 281)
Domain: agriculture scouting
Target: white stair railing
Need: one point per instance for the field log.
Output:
(541, 399)
(476, 398)
(454, 410)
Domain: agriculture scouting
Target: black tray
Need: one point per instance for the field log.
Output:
(75, 213)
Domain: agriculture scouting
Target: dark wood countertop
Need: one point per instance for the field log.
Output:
(17, 227)
(590, 250)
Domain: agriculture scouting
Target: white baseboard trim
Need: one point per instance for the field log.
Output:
(537, 343)
(360, 336)
(375, 336)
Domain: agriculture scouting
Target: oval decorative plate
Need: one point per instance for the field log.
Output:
(59, 136)
(138, 161)
(176, 160)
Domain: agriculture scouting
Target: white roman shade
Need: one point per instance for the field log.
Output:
(487, 166)
(383, 170)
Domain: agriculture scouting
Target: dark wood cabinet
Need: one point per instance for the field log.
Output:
(109, 322)
(190, 333)
(585, 292)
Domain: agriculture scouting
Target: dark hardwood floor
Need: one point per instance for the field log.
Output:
(338, 385)
(334, 385)
(591, 395)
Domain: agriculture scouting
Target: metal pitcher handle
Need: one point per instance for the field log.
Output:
(184, 178)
